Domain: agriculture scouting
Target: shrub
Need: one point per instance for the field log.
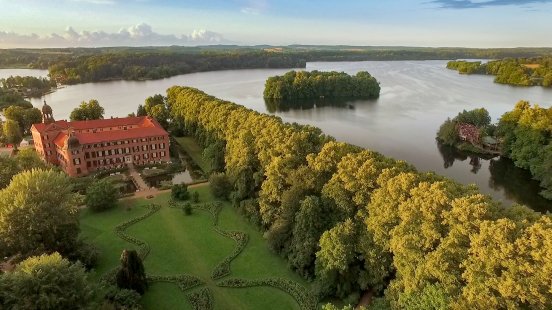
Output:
(132, 274)
(195, 197)
(47, 282)
(85, 253)
(187, 209)
(180, 192)
(220, 185)
(122, 298)
(101, 195)
(201, 300)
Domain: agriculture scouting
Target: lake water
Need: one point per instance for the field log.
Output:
(416, 97)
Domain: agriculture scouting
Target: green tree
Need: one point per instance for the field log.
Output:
(220, 186)
(25, 159)
(12, 133)
(87, 111)
(447, 133)
(180, 191)
(47, 282)
(8, 168)
(132, 274)
(38, 214)
(141, 111)
(101, 195)
(31, 116)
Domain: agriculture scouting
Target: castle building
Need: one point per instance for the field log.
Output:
(82, 147)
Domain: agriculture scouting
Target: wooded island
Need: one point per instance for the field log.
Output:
(316, 84)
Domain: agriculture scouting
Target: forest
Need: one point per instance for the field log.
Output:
(297, 85)
(536, 71)
(81, 65)
(28, 86)
(353, 220)
(524, 135)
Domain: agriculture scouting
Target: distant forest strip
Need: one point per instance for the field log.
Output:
(296, 85)
(535, 71)
(81, 65)
(354, 220)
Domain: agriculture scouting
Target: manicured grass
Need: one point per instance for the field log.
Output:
(182, 244)
(195, 151)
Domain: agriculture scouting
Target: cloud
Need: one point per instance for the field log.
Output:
(471, 4)
(95, 1)
(254, 7)
(137, 35)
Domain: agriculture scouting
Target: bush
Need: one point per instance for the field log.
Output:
(195, 197)
(101, 195)
(180, 192)
(187, 209)
(47, 282)
(85, 253)
(220, 185)
(121, 299)
(132, 274)
(201, 300)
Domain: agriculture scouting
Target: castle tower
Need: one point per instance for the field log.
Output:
(47, 115)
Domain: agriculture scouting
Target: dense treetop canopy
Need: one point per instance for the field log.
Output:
(514, 71)
(316, 84)
(355, 220)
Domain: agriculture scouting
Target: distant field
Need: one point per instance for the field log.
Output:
(195, 151)
(189, 245)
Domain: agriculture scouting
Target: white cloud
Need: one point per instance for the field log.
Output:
(137, 35)
(95, 1)
(254, 7)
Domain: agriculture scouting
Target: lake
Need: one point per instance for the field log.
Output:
(416, 97)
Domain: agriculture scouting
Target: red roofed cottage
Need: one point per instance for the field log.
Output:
(82, 147)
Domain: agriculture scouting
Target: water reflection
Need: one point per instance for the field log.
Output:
(517, 184)
(279, 105)
(451, 154)
(505, 177)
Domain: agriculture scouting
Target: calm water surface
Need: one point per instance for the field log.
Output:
(416, 97)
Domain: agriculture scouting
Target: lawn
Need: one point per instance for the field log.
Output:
(190, 245)
(195, 151)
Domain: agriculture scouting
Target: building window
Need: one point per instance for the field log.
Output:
(76, 161)
(154, 155)
(78, 170)
(153, 146)
(163, 154)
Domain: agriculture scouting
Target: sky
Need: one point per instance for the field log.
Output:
(451, 23)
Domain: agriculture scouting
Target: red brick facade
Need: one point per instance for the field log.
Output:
(82, 147)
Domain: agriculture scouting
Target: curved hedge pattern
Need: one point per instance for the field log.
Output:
(183, 281)
(143, 247)
(201, 300)
(241, 238)
(305, 299)
(223, 268)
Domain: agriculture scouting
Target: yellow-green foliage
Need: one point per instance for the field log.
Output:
(379, 223)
